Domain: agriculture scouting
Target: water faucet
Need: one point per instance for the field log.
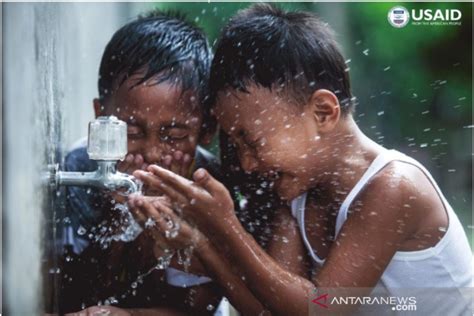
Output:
(107, 144)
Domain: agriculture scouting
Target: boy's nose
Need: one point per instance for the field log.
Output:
(248, 162)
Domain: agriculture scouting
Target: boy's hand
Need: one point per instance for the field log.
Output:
(101, 311)
(206, 201)
(131, 163)
(166, 228)
(177, 162)
(115, 311)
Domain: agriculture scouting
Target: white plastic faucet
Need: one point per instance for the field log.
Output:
(107, 144)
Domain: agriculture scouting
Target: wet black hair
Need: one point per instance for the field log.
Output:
(164, 46)
(274, 49)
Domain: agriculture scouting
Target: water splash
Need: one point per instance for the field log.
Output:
(126, 228)
(162, 263)
(184, 257)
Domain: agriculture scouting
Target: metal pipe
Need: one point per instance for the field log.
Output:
(107, 143)
(105, 177)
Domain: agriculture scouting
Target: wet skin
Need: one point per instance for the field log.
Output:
(311, 148)
(163, 124)
(164, 128)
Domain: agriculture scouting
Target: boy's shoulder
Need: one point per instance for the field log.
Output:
(406, 188)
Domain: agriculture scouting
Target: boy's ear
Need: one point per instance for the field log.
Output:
(325, 109)
(97, 108)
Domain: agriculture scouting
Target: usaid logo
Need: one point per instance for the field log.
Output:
(437, 17)
(398, 16)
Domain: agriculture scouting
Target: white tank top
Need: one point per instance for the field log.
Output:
(449, 264)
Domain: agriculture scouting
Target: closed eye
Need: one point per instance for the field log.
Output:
(134, 131)
(174, 133)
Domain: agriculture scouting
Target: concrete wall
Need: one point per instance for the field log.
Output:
(51, 55)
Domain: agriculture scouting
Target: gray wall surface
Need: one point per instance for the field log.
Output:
(51, 56)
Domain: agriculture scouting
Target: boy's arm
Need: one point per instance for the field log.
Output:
(359, 256)
(287, 250)
(234, 287)
(186, 236)
(286, 245)
(115, 311)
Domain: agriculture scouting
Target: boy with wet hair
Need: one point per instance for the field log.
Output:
(153, 75)
(370, 218)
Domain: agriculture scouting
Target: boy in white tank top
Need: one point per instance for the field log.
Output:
(368, 217)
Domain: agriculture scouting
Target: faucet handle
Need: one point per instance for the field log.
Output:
(107, 139)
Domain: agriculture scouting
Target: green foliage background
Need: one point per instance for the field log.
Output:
(413, 84)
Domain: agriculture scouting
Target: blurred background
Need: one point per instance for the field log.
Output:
(413, 87)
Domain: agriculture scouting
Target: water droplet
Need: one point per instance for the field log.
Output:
(150, 222)
(81, 231)
(52, 270)
(243, 203)
(163, 262)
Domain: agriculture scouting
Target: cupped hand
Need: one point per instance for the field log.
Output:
(169, 231)
(177, 162)
(205, 200)
(131, 163)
